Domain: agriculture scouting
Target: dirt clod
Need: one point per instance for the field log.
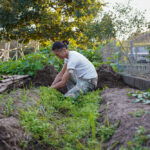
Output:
(108, 77)
(46, 76)
(11, 134)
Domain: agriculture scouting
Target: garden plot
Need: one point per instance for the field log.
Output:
(41, 118)
(133, 117)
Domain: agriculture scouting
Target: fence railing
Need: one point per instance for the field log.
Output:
(125, 59)
(15, 49)
(134, 68)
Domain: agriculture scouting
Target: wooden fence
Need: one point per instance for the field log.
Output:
(15, 48)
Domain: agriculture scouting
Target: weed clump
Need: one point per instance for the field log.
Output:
(62, 122)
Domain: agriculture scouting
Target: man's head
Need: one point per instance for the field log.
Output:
(60, 49)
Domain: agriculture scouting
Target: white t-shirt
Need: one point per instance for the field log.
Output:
(81, 66)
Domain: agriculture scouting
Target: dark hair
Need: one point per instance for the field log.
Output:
(58, 45)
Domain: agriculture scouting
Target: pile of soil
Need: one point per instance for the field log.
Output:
(117, 106)
(108, 77)
(11, 134)
(46, 76)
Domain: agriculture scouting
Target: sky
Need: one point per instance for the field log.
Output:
(138, 4)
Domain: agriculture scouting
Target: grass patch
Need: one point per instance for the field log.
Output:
(62, 123)
(105, 133)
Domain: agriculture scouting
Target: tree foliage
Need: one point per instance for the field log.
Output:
(100, 30)
(46, 19)
(126, 19)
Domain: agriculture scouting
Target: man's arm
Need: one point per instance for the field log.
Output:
(62, 83)
(60, 75)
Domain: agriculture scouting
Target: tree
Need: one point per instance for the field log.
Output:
(127, 20)
(42, 20)
(100, 30)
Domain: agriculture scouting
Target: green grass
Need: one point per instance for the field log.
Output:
(62, 122)
(58, 122)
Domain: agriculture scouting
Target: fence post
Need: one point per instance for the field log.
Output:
(132, 57)
(6, 52)
(131, 46)
(115, 50)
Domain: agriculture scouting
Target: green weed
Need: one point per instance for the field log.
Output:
(143, 97)
(138, 113)
(139, 141)
(8, 107)
(59, 122)
(105, 133)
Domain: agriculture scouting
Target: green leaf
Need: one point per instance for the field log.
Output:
(134, 95)
(140, 96)
(137, 100)
(146, 102)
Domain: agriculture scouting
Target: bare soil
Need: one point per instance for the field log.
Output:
(108, 77)
(117, 106)
(11, 134)
(46, 76)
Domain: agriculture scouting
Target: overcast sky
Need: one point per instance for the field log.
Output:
(139, 4)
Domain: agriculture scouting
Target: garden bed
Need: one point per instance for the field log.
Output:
(110, 121)
(41, 118)
(133, 119)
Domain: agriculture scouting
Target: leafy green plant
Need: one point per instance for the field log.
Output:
(36, 61)
(139, 141)
(8, 108)
(93, 55)
(105, 133)
(143, 97)
(59, 122)
(138, 113)
(31, 63)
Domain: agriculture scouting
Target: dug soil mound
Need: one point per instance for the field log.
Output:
(108, 77)
(117, 106)
(11, 134)
(46, 76)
